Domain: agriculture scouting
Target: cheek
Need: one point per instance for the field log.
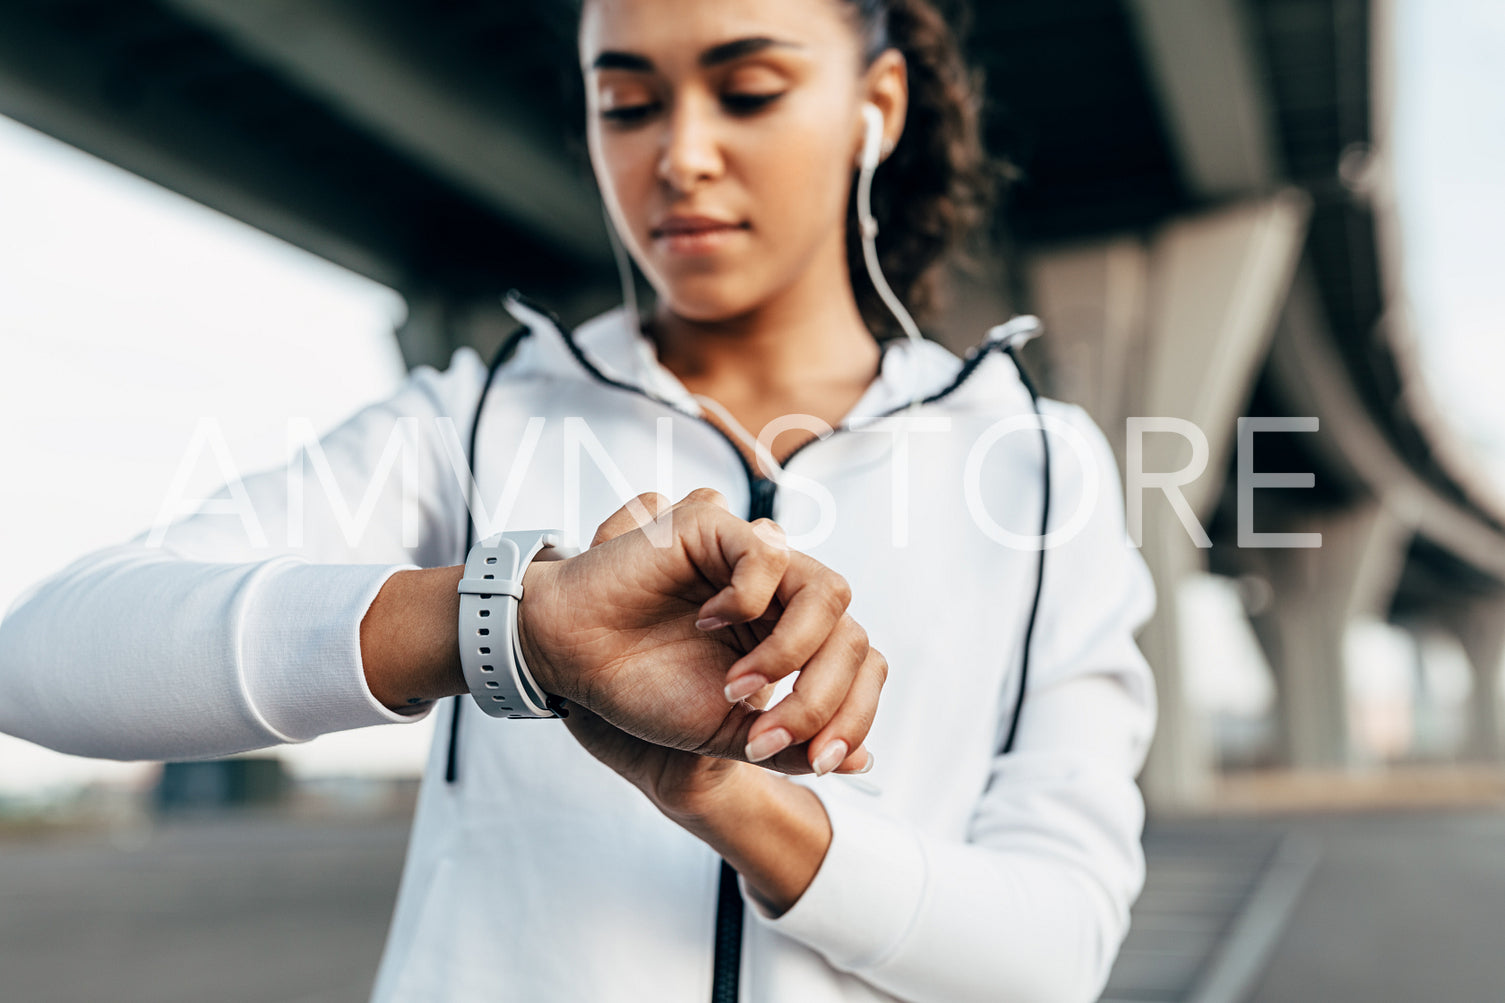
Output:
(802, 182)
(625, 172)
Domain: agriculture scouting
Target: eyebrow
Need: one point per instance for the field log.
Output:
(716, 55)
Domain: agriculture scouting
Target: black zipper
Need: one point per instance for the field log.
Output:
(762, 493)
(726, 969)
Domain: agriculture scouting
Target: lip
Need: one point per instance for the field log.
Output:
(696, 234)
(673, 226)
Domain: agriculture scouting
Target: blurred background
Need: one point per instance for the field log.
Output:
(248, 210)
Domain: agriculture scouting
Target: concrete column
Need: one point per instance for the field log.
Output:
(1180, 769)
(1315, 594)
(1479, 625)
(1176, 326)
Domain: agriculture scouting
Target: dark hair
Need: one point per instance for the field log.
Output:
(938, 186)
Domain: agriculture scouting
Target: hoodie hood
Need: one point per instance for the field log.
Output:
(610, 348)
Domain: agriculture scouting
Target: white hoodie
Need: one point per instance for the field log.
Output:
(954, 874)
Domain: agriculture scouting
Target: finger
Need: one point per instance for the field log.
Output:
(750, 557)
(819, 691)
(756, 570)
(858, 762)
(814, 600)
(838, 747)
(705, 496)
(637, 512)
(795, 761)
(848, 729)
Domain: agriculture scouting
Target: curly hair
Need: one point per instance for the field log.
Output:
(938, 185)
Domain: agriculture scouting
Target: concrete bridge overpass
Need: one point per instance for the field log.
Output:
(1203, 215)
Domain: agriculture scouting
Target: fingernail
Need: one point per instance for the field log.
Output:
(830, 757)
(710, 623)
(768, 743)
(865, 766)
(772, 534)
(744, 687)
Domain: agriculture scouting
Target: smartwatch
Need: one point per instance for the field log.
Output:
(490, 653)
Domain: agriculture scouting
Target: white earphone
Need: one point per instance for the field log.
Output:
(872, 140)
(872, 152)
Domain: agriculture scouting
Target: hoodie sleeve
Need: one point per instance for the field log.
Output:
(1033, 904)
(238, 627)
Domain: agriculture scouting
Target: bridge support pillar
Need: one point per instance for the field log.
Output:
(1315, 595)
(1479, 625)
(1176, 326)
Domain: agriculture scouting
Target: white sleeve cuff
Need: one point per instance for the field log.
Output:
(299, 641)
(863, 900)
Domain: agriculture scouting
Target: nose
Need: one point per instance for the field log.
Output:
(691, 152)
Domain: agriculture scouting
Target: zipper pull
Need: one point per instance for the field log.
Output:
(1013, 333)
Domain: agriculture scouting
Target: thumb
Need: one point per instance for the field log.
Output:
(761, 697)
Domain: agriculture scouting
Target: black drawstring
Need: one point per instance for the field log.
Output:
(1034, 606)
(452, 760)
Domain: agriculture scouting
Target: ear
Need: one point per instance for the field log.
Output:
(886, 84)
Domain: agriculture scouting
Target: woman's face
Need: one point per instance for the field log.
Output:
(723, 135)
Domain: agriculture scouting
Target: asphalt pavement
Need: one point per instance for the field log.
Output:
(1316, 908)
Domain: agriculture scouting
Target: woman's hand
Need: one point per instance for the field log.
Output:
(683, 785)
(646, 629)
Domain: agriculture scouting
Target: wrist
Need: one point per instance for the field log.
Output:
(774, 832)
(722, 800)
(409, 648)
(532, 619)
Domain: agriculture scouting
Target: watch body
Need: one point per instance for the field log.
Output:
(492, 587)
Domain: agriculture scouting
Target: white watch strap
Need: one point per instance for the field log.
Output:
(490, 591)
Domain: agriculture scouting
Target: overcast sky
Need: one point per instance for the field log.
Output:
(127, 313)
(1449, 162)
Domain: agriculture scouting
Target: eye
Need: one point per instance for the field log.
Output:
(746, 104)
(629, 114)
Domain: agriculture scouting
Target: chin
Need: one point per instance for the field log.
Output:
(707, 300)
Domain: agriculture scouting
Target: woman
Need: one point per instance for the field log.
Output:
(941, 845)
